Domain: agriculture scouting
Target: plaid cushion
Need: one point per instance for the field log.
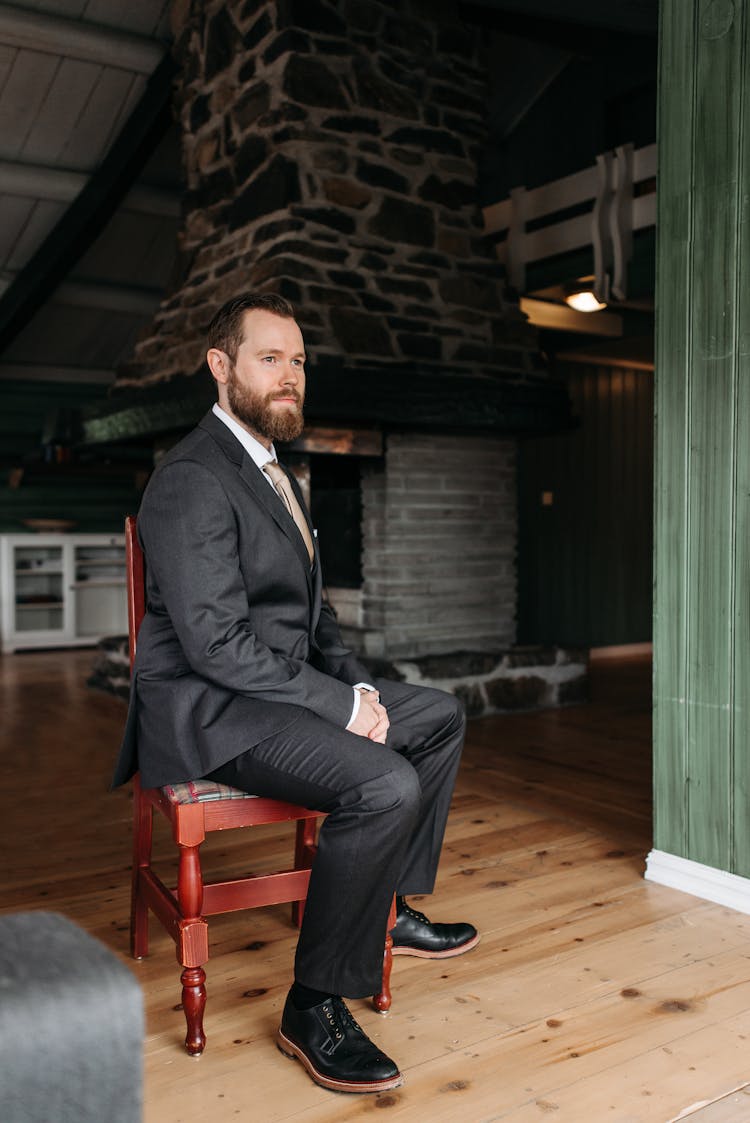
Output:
(202, 791)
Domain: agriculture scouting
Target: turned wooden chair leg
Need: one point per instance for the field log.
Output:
(304, 852)
(382, 1001)
(193, 981)
(192, 947)
(142, 835)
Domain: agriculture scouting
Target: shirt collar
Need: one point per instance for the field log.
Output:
(260, 455)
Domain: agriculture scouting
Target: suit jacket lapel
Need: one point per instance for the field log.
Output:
(265, 495)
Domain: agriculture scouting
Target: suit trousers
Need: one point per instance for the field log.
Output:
(386, 808)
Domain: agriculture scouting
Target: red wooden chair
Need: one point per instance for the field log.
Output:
(193, 809)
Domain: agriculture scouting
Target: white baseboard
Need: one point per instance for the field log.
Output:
(702, 881)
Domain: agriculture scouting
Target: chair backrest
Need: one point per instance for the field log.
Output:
(135, 581)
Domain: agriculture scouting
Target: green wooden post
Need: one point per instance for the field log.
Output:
(702, 534)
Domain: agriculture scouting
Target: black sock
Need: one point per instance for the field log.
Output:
(304, 998)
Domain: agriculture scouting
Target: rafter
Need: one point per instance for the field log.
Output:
(39, 181)
(40, 31)
(133, 299)
(92, 208)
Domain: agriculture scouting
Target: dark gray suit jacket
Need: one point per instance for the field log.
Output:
(236, 643)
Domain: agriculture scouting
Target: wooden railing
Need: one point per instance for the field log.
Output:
(619, 192)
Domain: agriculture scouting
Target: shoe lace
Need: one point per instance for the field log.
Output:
(407, 910)
(339, 1017)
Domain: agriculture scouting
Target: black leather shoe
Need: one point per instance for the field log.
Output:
(334, 1050)
(414, 934)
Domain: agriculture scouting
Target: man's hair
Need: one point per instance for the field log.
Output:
(225, 332)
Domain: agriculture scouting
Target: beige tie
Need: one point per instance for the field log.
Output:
(284, 488)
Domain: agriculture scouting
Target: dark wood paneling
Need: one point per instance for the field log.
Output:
(95, 495)
(585, 561)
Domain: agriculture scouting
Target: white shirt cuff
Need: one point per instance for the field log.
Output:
(355, 708)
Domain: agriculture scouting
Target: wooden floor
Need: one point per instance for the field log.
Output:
(593, 995)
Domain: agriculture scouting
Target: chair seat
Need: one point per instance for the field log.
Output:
(202, 791)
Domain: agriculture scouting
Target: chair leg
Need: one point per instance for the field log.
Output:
(193, 981)
(304, 852)
(192, 946)
(142, 835)
(382, 1001)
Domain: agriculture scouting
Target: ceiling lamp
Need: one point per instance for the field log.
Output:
(584, 301)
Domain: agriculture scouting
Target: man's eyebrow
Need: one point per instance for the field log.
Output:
(276, 351)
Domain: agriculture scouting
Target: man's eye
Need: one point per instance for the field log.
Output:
(298, 362)
(269, 358)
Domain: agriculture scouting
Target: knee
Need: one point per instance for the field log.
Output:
(457, 712)
(449, 711)
(398, 791)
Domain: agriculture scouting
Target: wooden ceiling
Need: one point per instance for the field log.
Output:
(89, 178)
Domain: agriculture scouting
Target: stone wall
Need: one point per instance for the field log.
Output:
(524, 678)
(439, 539)
(330, 149)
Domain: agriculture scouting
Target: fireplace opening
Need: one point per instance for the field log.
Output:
(336, 508)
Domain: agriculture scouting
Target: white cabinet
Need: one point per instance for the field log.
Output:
(61, 590)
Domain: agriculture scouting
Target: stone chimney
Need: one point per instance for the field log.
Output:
(330, 151)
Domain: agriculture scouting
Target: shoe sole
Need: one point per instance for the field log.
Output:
(293, 1051)
(451, 953)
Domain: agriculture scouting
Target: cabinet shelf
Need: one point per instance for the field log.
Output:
(86, 563)
(38, 572)
(100, 583)
(30, 606)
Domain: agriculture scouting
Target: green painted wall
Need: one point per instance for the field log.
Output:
(585, 561)
(702, 491)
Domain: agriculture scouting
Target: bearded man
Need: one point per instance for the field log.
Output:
(241, 677)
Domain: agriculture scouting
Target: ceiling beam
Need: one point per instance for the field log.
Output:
(92, 208)
(90, 42)
(37, 181)
(132, 299)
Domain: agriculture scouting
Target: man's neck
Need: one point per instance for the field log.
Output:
(265, 441)
(256, 449)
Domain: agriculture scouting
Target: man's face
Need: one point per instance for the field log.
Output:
(266, 384)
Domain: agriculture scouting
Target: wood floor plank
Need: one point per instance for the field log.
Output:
(655, 1087)
(592, 996)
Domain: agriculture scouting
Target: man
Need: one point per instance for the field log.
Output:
(241, 676)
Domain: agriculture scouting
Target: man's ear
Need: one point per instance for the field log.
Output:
(218, 364)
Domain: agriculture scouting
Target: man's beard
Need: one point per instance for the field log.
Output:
(257, 412)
